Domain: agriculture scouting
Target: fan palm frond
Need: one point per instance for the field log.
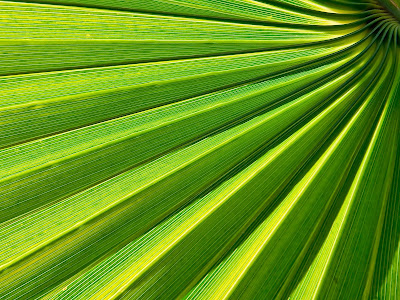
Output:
(200, 149)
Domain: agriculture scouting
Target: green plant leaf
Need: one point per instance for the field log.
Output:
(199, 149)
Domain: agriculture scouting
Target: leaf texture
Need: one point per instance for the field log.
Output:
(200, 149)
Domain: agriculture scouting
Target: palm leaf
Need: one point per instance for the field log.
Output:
(199, 149)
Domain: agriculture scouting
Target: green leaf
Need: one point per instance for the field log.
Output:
(199, 149)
